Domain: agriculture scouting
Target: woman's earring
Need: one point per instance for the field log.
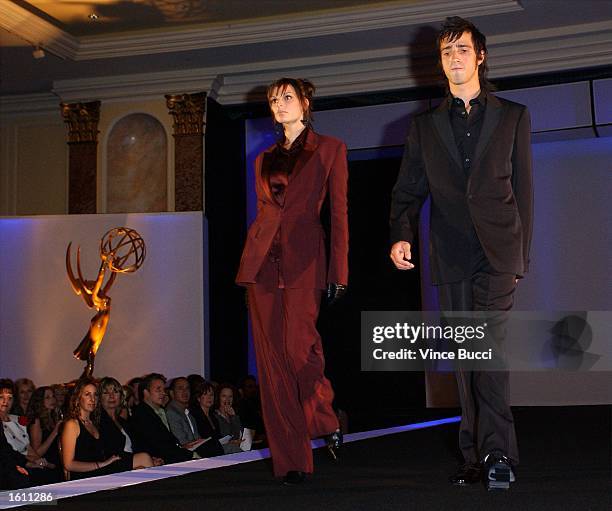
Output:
(278, 129)
(305, 122)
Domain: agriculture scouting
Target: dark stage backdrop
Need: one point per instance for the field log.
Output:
(374, 284)
(224, 204)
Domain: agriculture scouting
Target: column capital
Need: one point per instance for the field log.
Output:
(187, 111)
(82, 120)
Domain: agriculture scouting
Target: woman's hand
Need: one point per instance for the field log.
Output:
(22, 470)
(228, 410)
(110, 460)
(37, 463)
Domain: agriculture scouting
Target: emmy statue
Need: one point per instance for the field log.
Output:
(122, 250)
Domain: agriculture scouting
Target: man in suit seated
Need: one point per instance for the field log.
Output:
(183, 425)
(149, 423)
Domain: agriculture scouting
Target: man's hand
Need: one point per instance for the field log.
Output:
(400, 255)
(335, 292)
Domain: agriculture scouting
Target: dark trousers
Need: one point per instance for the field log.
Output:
(487, 424)
(296, 397)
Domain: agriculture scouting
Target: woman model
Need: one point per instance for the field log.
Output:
(285, 271)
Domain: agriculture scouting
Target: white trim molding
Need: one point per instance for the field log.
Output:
(521, 53)
(36, 31)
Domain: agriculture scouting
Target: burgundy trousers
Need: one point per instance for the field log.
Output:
(296, 397)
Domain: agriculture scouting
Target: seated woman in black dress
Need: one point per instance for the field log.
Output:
(113, 427)
(82, 448)
(201, 409)
(44, 424)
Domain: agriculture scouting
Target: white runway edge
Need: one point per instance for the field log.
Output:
(29, 496)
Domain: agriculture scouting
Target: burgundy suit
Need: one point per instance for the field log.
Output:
(284, 267)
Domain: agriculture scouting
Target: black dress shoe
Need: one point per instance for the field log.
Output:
(334, 443)
(498, 471)
(294, 477)
(468, 474)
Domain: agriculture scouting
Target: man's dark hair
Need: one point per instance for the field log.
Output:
(146, 383)
(452, 29)
(174, 381)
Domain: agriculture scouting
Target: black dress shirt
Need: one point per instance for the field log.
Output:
(467, 126)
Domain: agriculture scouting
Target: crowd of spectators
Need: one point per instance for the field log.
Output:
(95, 427)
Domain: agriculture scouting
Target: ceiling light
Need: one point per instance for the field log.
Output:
(38, 53)
(93, 16)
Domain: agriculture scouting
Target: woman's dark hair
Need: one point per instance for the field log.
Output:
(5, 383)
(304, 90)
(452, 29)
(74, 406)
(201, 389)
(37, 410)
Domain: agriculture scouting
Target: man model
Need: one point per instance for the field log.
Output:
(472, 156)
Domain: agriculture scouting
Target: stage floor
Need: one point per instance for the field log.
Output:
(565, 465)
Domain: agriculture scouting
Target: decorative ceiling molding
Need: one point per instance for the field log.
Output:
(29, 104)
(521, 53)
(35, 30)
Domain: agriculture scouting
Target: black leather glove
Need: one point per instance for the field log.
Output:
(335, 292)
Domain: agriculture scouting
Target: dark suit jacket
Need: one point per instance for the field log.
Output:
(321, 168)
(149, 434)
(207, 430)
(112, 438)
(496, 198)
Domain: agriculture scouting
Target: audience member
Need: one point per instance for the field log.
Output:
(149, 424)
(134, 384)
(248, 406)
(44, 424)
(113, 428)
(195, 382)
(13, 474)
(183, 425)
(24, 388)
(16, 436)
(202, 409)
(82, 448)
(60, 391)
(227, 419)
(129, 404)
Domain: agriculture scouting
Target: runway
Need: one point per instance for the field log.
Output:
(565, 465)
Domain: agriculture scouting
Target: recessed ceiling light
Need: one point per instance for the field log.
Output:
(38, 53)
(93, 16)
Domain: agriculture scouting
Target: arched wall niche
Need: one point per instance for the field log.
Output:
(136, 165)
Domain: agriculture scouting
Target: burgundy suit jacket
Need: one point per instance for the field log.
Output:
(321, 168)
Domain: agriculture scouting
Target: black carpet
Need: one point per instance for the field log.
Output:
(565, 466)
